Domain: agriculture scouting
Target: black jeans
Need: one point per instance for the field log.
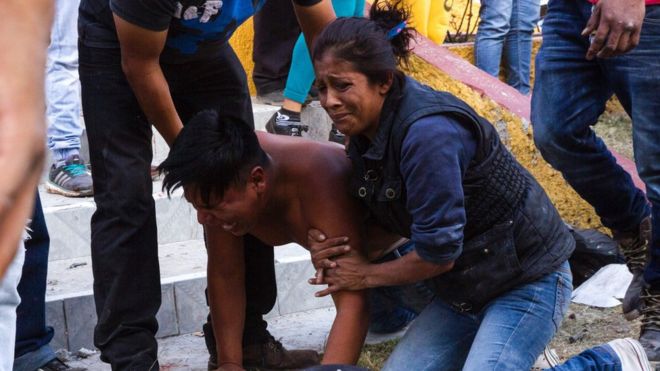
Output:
(276, 31)
(124, 242)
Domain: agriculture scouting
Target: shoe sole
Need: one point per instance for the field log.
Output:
(55, 189)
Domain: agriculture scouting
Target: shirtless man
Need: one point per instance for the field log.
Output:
(273, 188)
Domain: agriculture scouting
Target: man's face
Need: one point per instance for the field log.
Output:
(236, 212)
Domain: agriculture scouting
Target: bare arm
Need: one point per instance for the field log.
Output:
(226, 290)
(24, 34)
(313, 19)
(140, 55)
(330, 207)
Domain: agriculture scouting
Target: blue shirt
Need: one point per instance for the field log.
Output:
(196, 28)
(435, 154)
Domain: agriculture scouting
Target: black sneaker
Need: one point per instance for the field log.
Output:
(336, 136)
(56, 365)
(70, 178)
(635, 249)
(285, 122)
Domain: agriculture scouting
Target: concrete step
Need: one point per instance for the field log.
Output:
(68, 221)
(70, 303)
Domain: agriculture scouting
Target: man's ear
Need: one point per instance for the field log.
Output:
(257, 179)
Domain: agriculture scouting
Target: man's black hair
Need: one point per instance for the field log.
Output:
(212, 153)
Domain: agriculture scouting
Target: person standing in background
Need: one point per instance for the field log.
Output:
(505, 33)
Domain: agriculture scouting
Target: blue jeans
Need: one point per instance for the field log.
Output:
(301, 73)
(570, 94)
(62, 83)
(509, 333)
(32, 334)
(597, 358)
(506, 28)
(390, 304)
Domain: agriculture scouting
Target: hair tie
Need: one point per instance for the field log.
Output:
(396, 30)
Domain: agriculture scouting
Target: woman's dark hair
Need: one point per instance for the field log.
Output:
(372, 45)
(212, 153)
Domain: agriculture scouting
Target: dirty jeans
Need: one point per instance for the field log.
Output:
(506, 27)
(509, 333)
(62, 83)
(9, 300)
(570, 93)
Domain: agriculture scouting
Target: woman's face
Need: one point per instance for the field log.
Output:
(353, 103)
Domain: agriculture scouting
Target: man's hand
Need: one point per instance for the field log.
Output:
(323, 250)
(615, 27)
(350, 274)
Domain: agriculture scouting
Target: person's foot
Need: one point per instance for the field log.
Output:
(649, 333)
(631, 354)
(336, 136)
(271, 355)
(56, 365)
(548, 359)
(285, 122)
(70, 178)
(634, 247)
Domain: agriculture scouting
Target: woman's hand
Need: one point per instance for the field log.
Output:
(350, 273)
(323, 249)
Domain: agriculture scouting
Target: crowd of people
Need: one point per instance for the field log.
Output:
(421, 211)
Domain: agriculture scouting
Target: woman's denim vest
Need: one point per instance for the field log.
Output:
(513, 234)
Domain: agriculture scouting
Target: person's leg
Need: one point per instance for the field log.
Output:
(32, 334)
(616, 355)
(9, 300)
(516, 326)
(638, 92)
(124, 243)
(439, 339)
(287, 120)
(569, 95)
(68, 175)
(275, 33)
(62, 83)
(494, 25)
(518, 43)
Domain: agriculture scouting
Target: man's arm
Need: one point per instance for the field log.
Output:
(140, 60)
(615, 26)
(313, 19)
(226, 290)
(24, 34)
(331, 208)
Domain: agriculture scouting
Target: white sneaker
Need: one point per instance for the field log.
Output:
(546, 360)
(631, 354)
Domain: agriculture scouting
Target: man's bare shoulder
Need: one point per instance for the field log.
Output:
(309, 160)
